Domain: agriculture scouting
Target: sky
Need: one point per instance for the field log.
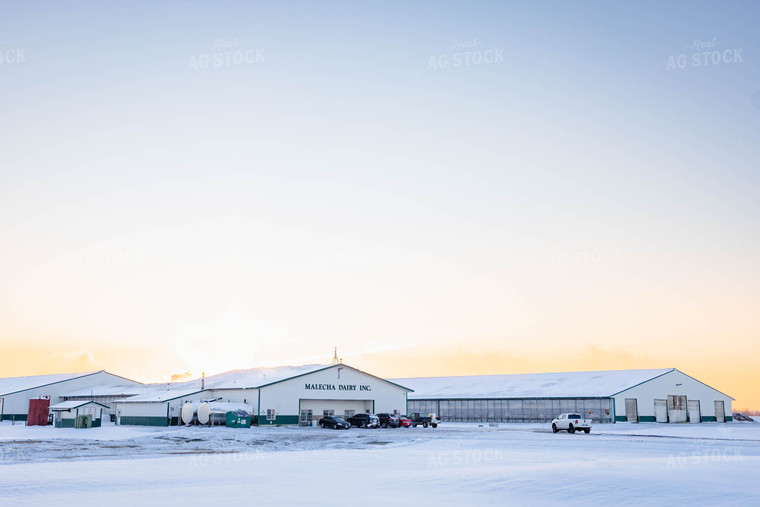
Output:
(434, 188)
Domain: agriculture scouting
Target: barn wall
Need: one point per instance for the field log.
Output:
(672, 383)
(285, 397)
(513, 409)
(16, 405)
(142, 414)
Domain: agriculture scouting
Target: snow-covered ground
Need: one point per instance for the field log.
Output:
(455, 464)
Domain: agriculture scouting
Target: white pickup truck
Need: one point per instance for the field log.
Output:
(570, 423)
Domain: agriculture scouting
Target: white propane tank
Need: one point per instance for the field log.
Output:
(204, 413)
(187, 413)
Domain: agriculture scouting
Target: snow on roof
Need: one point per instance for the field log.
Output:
(117, 390)
(253, 378)
(69, 405)
(236, 379)
(257, 377)
(583, 384)
(16, 384)
(164, 393)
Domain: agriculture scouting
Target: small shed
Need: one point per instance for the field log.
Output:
(78, 414)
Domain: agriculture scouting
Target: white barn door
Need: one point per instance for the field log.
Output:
(661, 411)
(677, 408)
(631, 410)
(695, 414)
(720, 411)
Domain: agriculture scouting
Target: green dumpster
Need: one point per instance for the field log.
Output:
(238, 419)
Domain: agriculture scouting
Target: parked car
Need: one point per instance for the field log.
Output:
(364, 421)
(336, 423)
(570, 423)
(424, 420)
(404, 422)
(387, 420)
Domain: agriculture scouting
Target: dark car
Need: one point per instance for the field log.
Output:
(364, 421)
(336, 423)
(388, 420)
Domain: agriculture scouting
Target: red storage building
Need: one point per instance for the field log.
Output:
(38, 412)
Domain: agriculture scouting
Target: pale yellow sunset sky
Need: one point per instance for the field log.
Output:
(577, 205)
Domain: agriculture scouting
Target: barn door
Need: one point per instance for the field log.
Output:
(677, 408)
(695, 415)
(631, 410)
(661, 411)
(720, 411)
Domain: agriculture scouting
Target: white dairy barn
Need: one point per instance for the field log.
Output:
(284, 395)
(15, 392)
(661, 395)
(300, 395)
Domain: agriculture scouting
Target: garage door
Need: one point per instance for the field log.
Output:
(340, 408)
(631, 410)
(720, 411)
(661, 411)
(695, 415)
(677, 408)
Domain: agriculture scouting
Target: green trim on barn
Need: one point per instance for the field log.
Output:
(65, 423)
(729, 418)
(620, 418)
(143, 421)
(708, 418)
(647, 418)
(278, 420)
(14, 417)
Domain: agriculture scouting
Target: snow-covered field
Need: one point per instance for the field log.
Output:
(455, 464)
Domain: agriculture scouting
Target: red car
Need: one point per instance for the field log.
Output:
(403, 422)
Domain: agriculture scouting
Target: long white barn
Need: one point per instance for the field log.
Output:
(301, 394)
(284, 395)
(659, 395)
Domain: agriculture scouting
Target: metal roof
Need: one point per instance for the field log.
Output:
(69, 405)
(582, 384)
(12, 385)
(254, 378)
(162, 394)
(111, 390)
